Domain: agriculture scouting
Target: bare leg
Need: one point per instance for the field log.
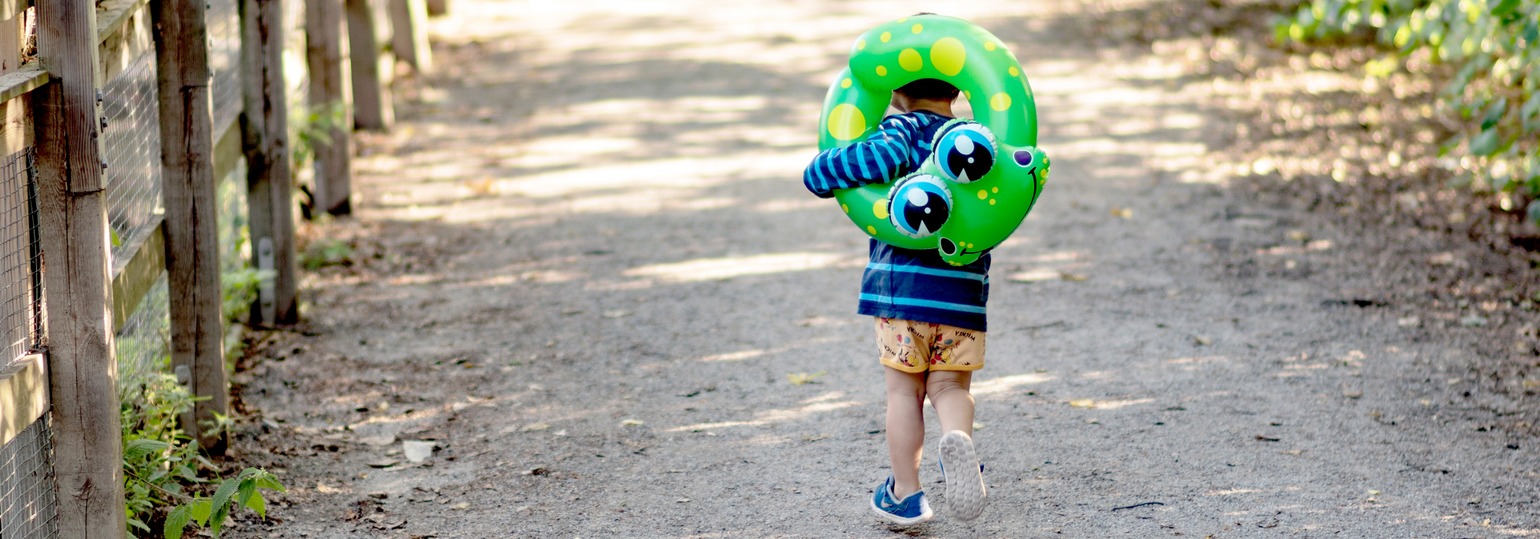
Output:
(948, 391)
(906, 428)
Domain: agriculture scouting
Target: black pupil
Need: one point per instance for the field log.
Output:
(970, 166)
(931, 215)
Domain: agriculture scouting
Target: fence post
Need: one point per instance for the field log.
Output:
(192, 225)
(372, 66)
(326, 53)
(409, 34)
(82, 371)
(269, 173)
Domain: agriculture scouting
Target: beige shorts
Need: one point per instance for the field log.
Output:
(920, 346)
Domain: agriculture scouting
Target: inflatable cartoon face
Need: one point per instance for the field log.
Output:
(982, 177)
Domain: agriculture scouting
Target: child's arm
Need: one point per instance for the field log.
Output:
(882, 157)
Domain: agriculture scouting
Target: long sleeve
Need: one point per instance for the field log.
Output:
(882, 157)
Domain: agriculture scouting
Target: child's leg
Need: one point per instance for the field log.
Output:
(948, 392)
(906, 428)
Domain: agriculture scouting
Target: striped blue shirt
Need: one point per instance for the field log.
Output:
(903, 283)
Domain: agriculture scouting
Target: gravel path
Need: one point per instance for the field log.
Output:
(584, 268)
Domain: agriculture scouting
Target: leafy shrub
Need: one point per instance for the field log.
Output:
(1493, 47)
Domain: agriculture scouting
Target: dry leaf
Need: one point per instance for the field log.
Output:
(800, 378)
(1122, 213)
(534, 427)
(1072, 277)
(1083, 403)
(631, 423)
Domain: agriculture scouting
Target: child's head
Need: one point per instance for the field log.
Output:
(928, 89)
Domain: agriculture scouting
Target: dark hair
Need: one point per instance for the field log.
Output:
(929, 89)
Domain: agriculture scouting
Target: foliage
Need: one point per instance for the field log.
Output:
(1493, 46)
(326, 252)
(244, 490)
(313, 127)
(157, 458)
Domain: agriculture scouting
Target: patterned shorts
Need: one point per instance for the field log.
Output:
(919, 346)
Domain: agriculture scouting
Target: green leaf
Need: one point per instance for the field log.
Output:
(139, 524)
(177, 521)
(257, 504)
(138, 449)
(1486, 143)
(201, 509)
(244, 492)
(1505, 8)
(1494, 113)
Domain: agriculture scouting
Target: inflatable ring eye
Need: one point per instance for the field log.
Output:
(920, 205)
(983, 175)
(965, 152)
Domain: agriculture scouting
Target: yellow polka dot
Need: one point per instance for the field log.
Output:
(995, 190)
(1014, 72)
(917, 28)
(845, 83)
(846, 122)
(882, 71)
(967, 94)
(948, 56)
(845, 207)
(1000, 101)
(860, 44)
(991, 202)
(910, 60)
(880, 209)
(885, 37)
(871, 229)
(989, 45)
(983, 194)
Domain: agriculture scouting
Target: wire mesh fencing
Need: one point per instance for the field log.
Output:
(28, 508)
(20, 305)
(224, 29)
(132, 151)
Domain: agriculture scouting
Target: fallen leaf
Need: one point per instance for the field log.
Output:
(631, 423)
(384, 463)
(801, 378)
(462, 506)
(1122, 213)
(1294, 452)
(1353, 394)
(978, 426)
(1409, 322)
(534, 427)
(1072, 277)
(416, 450)
(1082, 403)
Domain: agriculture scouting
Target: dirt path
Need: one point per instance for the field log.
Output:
(584, 267)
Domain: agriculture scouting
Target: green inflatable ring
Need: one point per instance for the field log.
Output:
(982, 211)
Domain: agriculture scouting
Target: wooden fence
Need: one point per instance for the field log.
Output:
(127, 119)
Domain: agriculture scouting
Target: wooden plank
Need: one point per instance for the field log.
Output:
(12, 8)
(126, 37)
(10, 43)
(327, 56)
(88, 440)
(409, 34)
(227, 150)
(23, 395)
(372, 106)
(133, 277)
(269, 175)
(23, 81)
(438, 8)
(192, 220)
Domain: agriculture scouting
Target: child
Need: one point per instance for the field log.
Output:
(929, 315)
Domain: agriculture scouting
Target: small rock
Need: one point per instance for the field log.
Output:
(1409, 322)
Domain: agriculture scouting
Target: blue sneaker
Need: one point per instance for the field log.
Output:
(965, 490)
(911, 510)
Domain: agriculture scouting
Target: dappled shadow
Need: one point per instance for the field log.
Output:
(584, 266)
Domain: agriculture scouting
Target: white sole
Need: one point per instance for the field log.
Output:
(965, 490)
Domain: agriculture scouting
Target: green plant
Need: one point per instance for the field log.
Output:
(313, 127)
(1493, 47)
(157, 458)
(243, 490)
(326, 252)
